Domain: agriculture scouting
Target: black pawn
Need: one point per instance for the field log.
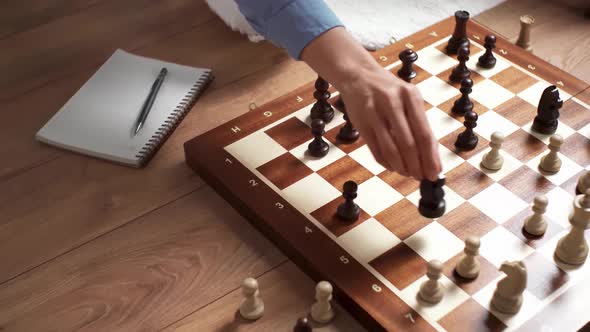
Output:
(349, 210)
(322, 108)
(318, 147)
(348, 133)
(467, 140)
(432, 198)
(463, 104)
(407, 72)
(302, 325)
(487, 60)
(548, 111)
(459, 38)
(461, 71)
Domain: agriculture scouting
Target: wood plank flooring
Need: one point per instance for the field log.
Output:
(85, 244)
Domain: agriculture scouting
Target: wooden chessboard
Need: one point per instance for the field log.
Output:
(257, 162)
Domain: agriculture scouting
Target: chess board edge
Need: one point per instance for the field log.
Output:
(372, 303)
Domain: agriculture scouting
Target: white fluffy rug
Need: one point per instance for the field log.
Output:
(373, 22)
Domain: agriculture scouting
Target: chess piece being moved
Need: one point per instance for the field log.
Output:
(536, 223)
(252, 306)
(551, 163)
(318, 147)
(467, 140)
(468, 265)
(321, 310)
(524, 37)
(347, 133)
(463, 104)
(302, 325)
(432, 203)
(548, 111)
(461, 72)
(349, 210)
(431, 290)
(507, 297)
(459, 38)
(583, 183)
(573, 249)
(487, 60)
(408, 57)
(322, 108)
(493, 160)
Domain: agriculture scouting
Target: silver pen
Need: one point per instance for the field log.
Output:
(149, 101)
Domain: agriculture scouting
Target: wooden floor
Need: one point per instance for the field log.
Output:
(85, 244)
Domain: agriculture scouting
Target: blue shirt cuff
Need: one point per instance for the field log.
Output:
(294, 25)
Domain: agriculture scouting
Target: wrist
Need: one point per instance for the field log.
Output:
(338, 58)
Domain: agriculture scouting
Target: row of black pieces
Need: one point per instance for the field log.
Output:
(322, 113)
(431, 205)
(460, 72)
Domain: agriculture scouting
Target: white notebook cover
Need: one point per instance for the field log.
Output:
(99, 119)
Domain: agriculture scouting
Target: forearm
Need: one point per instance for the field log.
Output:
(337, 57)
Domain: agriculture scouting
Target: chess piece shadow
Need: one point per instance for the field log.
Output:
(234, 325)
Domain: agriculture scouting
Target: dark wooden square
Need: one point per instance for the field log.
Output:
(514, 79)
(523, 146)
(400, 265)
(405, 185)
(449, 142)
(284, 170)
(466, 220)
(543, 276)
(473, 49)
(471, 316)
(402, 219)
(291, 133)
(515, 226)
(327, 216)
(421, 74)
(332, 136)
(526, 183)
(517, 110)
(577, 148)
(574, 115)
(448, 105)
(445, 75)
(467, 180)
(571, 184)
(487, 273)
(344, 169)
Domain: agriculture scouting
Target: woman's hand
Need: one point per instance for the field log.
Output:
(388, 112)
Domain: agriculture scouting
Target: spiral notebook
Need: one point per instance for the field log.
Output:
(99, 119)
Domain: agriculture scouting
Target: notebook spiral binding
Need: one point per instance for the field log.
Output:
(184, 106)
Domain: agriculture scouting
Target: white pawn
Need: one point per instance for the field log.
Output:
(551, 163)
(536, 224)
(252, 306)
(468, 266)
(583, 183)
(321, 310)
(493, 160)
(431, 290)
(572, 249)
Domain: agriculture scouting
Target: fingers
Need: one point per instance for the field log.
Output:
(402, 136)
(382, 146)
(392, 153)
(427, 146)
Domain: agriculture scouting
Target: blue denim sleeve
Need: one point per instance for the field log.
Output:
(291, 24)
